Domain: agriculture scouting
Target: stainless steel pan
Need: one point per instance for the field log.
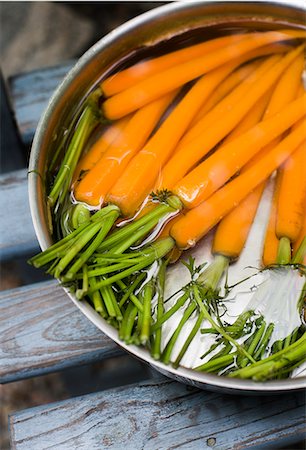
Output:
(146, 30)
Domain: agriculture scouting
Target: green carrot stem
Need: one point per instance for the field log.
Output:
(131, 314)
(121, 234)
(132, 288)
(236, 329)
(84, 128)
(161, 279)
(96, 270)
(216, 326)
(284, 251)
(259, 354)
(80, 215)
(211, 276)
(146, 317)
(106, 225)
(108, 301)
(97, 300)
(300, 253)
(214, 365)
(254, 342)
(188, 341)
(78, 245)
(159, 321)
(294, 335)
(156, 251)
(166, 355)
(268, 367)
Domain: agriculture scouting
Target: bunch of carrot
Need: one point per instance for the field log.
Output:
(204, 128)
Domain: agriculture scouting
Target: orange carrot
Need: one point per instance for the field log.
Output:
(238, 76)
(93, 155)
(291, 205)
(208, 176)
(137, 181)
(271, 241)
(231, 112)
(198, 221)
(228, 241)
(139, 71)
(94, 186)
(159, 84)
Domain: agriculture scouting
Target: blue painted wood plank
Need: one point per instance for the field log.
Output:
(161, 415)
(30, 94)
(42, 331)
(17, 236)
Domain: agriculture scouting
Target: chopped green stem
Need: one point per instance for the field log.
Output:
(108, 301)
(211, 276)
(84, 128)
(188, 341)
(220, 330)
(77, 246)
(254, 342)
(284, 251)
(97, 300)
(129, 322)
(260, 352)
(132, 288)
(159, 321)
(161, 279)
(237, 328)
(294, 335)
(80, 215)
(268, 368)
(214, 365)
(110, 269)
(105, 227)
(300, 253)
(166, 355)
(148, 292)
(135, 300)
(156, 251)
(121, 234)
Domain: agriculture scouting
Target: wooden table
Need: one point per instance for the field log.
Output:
(41, 331)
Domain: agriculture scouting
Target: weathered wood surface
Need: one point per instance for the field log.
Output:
(17, 236)
(160, 415)
(30, 94)
(42, 331)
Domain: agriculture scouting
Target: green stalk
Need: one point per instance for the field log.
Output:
(77, 246)
(97, 300)
(188, 341)
(160, 320)
(300, 253)
(84, 128)
(161, 279)
(120, 235)
(105, 227)
(211, 276)
(264, 343)
(98, 271)
(146, 316)
(155, 251)
(284, 251)
(217, 327)
(166, 355)
(254, 342)
(130, 316)
(132, 288)
(214, 365)
(268, 367)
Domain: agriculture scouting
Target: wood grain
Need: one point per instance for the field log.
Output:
(17, 236)
(42, 331)
(30, 94)
(160, 415)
